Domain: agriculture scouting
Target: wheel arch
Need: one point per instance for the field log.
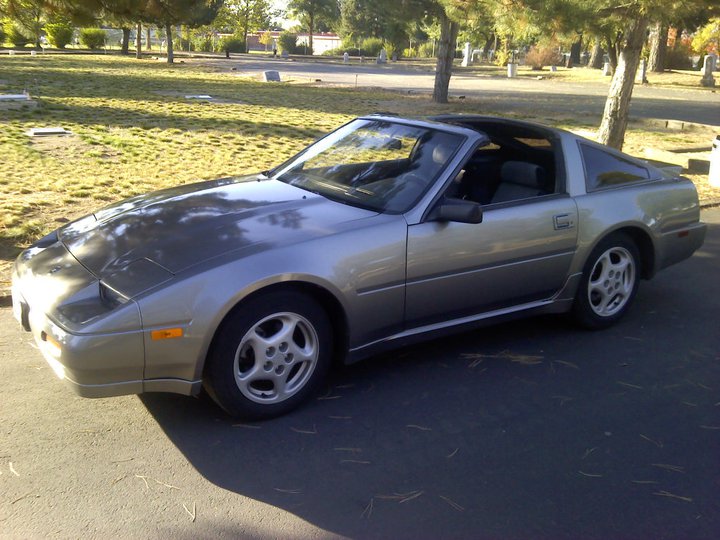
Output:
(327, 300)
(642, 240)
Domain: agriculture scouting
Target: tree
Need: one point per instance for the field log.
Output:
(708, 37)
(658, 47)
(244, 16)
(169, 13)
(311, 12)
(445, 56)
(617, 106)
(30, 17)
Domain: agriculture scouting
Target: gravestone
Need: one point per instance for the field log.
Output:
(708, 79)
(641, 75)
(714, 172)
(346, 58)
(382, 57)
(271, 76)
(467, 53)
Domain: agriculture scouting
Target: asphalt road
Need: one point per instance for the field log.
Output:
(537, 97)
(532, 429)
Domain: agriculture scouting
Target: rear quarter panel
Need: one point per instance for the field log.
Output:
(666, 210)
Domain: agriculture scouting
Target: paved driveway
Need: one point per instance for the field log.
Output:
(526, 430)
(545, 97)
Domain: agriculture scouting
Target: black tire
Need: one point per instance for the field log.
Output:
(292, 369)
(601, 303)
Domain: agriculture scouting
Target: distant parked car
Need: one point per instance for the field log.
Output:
(384, 232)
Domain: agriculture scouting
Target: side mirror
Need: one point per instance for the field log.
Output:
(459, 211)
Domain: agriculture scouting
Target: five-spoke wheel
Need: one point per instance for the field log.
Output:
(270, 354)
(609, 282)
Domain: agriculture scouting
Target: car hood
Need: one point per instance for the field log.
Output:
(179, 227)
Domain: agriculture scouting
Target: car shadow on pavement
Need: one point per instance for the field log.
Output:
(527, 429)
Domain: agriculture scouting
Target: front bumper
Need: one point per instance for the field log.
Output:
(93, 364)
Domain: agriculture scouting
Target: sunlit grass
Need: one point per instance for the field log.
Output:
(134, 131)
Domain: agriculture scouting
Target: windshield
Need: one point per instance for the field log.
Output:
(373, 164)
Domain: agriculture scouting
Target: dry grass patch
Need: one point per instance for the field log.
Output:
(134, 131)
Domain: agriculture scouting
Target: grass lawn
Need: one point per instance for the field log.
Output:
(135, 131)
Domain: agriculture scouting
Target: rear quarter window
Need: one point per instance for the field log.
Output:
(606, 170)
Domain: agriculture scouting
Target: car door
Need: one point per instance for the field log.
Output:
(519, 253)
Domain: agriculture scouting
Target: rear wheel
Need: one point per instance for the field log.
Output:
(609, 282)
(270, 355)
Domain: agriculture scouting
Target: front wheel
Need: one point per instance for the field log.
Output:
(609, 282)
(270, 355)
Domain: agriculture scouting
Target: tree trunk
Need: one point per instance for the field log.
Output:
(617, 107)
(311, 29)
(148, 40)
(612, 54)
(658, 48)
(488, 45)
(597, 57)
(138, 41)
(445, 56)
(168, 31)
(125, 41)
(575, 50)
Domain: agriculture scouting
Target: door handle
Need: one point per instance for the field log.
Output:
(563, 221)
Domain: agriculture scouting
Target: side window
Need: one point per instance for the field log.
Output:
(603, 169)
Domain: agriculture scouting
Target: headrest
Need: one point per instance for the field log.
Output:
(523, 174)
(441, 153)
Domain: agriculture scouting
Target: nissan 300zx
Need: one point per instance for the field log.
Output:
(384, 232)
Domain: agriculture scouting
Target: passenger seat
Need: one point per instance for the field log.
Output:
(519, 180)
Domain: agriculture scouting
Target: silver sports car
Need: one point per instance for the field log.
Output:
(384, 232)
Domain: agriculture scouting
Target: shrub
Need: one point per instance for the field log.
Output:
(679, 58)
(287, 42)
(371, 46)
(426, 50)
(203, 44)
(233, 44)
(2, 35)
(539, 57)
(59, 34)
(391, 49)
(14, 35)
(339, 51)
(410, 52)
(92, 38)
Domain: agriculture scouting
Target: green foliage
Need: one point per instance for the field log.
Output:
(707, 39)
(426, 50)
(288, 42)
(59, 34)
(2, 34)
(203, 44)
(392, 49)
(92, 38)
(233, 44)
(242, 16)
(15, 35)
(410, 52)
(371, 46)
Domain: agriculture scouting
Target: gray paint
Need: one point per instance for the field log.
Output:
(186, 256)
